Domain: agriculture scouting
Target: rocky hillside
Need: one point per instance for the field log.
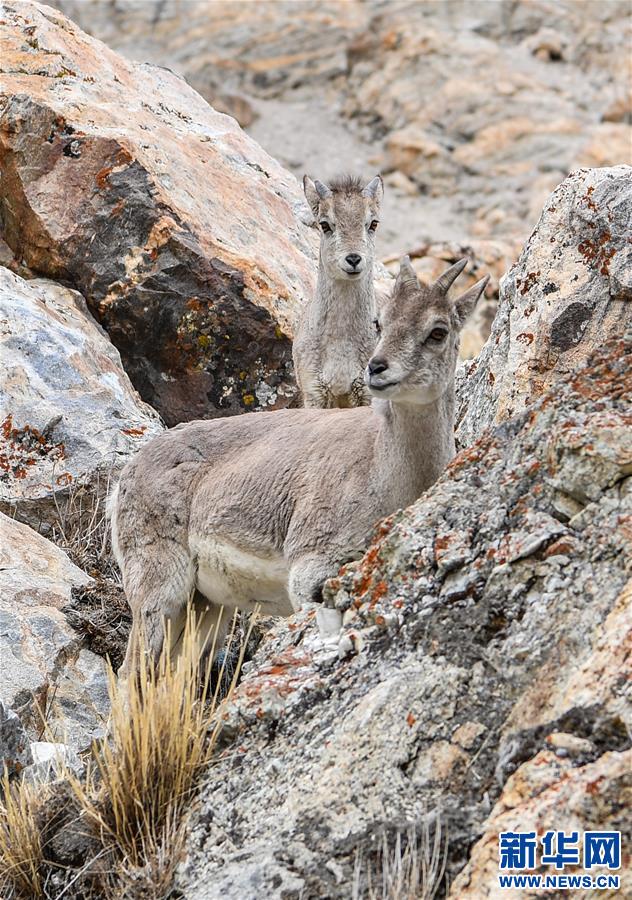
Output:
(480, 678)
(153, 258)
(469, 151)
(180, 232)
(475, 111)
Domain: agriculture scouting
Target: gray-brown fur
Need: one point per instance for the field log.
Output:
(335, 335)
(261, 508)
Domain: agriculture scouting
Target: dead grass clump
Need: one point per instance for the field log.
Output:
(98, 611)
(408, 865)
(21, 857)
(163, 731)
(118, 832)
(82, 529)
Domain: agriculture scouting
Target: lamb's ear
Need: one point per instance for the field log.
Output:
(464, 305)
(311, 194)
(375, 190)
(406, 277)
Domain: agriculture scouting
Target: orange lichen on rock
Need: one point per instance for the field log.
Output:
(22, 448)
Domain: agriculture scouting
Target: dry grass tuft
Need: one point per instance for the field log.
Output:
(163, 731)
(21, 858)
(409, 866)
(130, 810)
(82, 529)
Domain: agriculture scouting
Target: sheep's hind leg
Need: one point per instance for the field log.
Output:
(158, 588)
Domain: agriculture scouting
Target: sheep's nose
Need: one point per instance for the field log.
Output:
(376, 366)
(354, 259)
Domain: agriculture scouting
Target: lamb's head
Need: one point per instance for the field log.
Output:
(348, 213)
(418, 345)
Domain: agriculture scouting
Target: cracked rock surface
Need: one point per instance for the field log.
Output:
(68, 412)
(568, 293)
(47, 675)
(179, 230)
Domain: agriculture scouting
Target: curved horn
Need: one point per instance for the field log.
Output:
(464, 305)
(406, 274)
(445, 281)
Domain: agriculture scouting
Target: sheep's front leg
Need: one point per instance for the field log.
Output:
(307, 577)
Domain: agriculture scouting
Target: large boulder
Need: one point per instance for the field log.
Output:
(485, 625)
(569, 292)
(68, 413)
(179, 230)
(58, 687)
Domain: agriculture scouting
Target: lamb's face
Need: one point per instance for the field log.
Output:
(418, 341)
(347, 215)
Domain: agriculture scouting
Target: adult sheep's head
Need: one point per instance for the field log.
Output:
(418, 336)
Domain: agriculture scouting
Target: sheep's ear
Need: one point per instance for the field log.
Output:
(374, 190)
(315, 191)
(311, 194)
(406, 277)
(464, 305)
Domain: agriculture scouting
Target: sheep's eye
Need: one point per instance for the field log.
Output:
(438, 335)
(373, 225)
(378, 327)
(326, 227)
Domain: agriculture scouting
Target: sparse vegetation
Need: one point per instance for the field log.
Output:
(406, 865)
(163, 733)
(81, 527)
(21, 858)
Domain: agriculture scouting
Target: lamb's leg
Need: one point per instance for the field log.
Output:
(307, 577)
(158, 585)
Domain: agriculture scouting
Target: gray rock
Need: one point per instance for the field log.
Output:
(59, 686)
(15, 751)
(51, 761)
(68, 412)
(568, 293)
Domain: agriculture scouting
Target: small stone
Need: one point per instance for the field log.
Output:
(566, 744)
(466, 735)
(51, 761)
(345, 646)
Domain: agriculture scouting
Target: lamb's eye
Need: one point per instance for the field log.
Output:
(437, 335)
(373, 225)
(378, 327)
(326, 227)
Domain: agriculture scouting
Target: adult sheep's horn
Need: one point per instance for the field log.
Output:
(406, 277)
(445, 281)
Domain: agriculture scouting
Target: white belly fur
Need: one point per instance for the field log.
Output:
(238, 578)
